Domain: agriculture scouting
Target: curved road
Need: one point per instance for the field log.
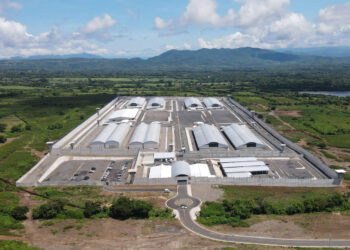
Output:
(191, 225)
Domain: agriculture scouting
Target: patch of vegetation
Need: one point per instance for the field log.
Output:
(234, 212)
(125, 208)
(15, 245)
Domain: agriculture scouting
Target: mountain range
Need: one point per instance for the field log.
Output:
(173, 60)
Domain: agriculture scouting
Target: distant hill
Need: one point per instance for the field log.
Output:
(81, 55)
(320, 51)
(173, 60)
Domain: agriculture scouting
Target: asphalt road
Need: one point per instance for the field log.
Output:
(188, 223)
(112, 189)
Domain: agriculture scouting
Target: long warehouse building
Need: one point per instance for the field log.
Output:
(242, 137)
(111, 136)
(208, 136)
(146, 136)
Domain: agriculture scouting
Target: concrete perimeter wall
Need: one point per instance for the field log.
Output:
(306, 154)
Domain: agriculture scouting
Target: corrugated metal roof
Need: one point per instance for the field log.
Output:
(239, 175)
(136, 102)
(119, 134)
(180, 168)
(247, 169)
(242, 164)
(102, 137)
(146, 135)
(237, 159)
(191, 102)
(156, 102)
(241, 136)
(200, 170)
(153, 132)
(123, 114)
(211, 102)
(164, 155)
(139, 134)
(208, 136)
(162, 171)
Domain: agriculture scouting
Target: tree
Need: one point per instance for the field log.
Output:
(92, 208)
(121, 209)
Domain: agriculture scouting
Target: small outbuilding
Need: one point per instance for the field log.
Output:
(212, 103)
(193, 103)
(156, 102)
(136, 102)
(123, 114)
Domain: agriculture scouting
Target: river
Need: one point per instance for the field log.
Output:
(335, 93)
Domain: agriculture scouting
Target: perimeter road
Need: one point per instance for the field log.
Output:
(191, 225)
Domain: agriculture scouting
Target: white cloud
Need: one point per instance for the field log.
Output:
(257, 12)
(235, 40)
(160, 23)
(198, 12)
(185, 46)
(6, 4)
(15, 40)
(97, 28)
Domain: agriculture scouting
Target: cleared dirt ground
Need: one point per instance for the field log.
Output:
(113, 234)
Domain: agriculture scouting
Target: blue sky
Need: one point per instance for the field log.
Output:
(121, 28)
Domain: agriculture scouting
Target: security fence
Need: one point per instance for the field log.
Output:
(306, 154)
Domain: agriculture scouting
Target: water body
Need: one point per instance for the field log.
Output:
(334, 93)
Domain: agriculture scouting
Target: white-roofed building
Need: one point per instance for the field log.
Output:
(161, 171)
(193, 103)
(238, 159)
(253, 170)
(123, 114)
(200, 170)
(239, 175)
(163, 156)
(118, 135)
(179, 169)
(111, 136)
(242, 137)
(146, 135)
(208, 136)
(152, 135)
(235, 166)
(212, 103)
(156, 102)
(102, 137)
(242, 164)
(136, 102)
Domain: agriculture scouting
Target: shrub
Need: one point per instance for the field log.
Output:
(125, 208)
(48, 210)
(3, 127)
(19, 213)
(2, 139)
(16, 128)
(92, 208)
(160, 213)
